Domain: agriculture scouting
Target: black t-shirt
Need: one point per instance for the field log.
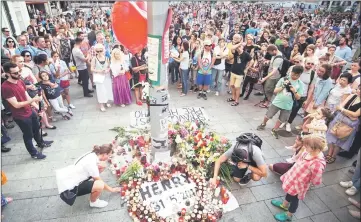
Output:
(51, 93)
(302, 47)
(187, 37)
(310, 40)
(248, 48)
(138, 62)
(243, 29)
(240, 62)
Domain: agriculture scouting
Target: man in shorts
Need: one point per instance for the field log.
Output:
(241, 61)
(205, 64)
(287, 91)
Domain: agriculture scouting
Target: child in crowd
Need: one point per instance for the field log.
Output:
(297, 181)
(316, 123)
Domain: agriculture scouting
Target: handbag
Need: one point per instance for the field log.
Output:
(64, 83)
(128, 75)
(218, 61)
(341, 130)
(336, 71)
(142, 77)
(69, 196)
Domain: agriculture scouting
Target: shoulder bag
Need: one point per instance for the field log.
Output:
(341, 130)
(97, 77)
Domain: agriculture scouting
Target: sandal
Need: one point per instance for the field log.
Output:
(139, 103)
(230, 100)
(52, 127)
(235, 104)
(331, 160)
(65, 117)
(328, 157)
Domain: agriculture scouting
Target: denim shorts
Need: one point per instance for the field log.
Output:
(204, 80)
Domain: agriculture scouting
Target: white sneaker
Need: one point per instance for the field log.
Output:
(71, 106)
(289, 147)
(288, 127)
(282, 125)
(346, 184)
(351, 191)
(208, 91)
(217, 93)
(99, 203)
(290, 160)
(122, 105)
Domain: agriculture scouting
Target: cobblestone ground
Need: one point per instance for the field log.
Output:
(32, 183)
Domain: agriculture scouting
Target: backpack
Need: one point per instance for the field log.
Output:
(285, 65)
(248, 139)
(65, 50)
(203, 53)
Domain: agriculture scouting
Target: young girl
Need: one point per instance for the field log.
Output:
(316, 123)
(296, 182)
(52, 93)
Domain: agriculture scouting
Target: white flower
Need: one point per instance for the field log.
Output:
(178, 139)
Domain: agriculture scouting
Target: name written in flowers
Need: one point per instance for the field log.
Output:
(159, 195)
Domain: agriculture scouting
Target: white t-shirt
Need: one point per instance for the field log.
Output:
(306, 79)
(216, 51)
(184, 64)
(70, 176)
(320, 52)
(335, 96)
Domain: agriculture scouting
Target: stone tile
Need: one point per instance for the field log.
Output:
(344, 216)
(329, 217)
(334, 177)
(269, 154)
(307, 219)
(303, 211)
(314, 203)
(269, 191)
(262, 213)
(244, 196)
(331, 197)
(55, 208)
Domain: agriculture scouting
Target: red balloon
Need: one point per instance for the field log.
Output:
(130, 24)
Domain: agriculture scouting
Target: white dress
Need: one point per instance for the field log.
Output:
(104, 90)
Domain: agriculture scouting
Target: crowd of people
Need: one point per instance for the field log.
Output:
(301, 60)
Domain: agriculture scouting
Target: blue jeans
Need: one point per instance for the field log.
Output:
(216, 79)
(174, 71)
(356, 175)
(185, 78)
(31, 129)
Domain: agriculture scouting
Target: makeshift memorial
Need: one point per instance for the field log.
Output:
(177, 190)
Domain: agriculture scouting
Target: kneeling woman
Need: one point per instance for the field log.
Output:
(86, 178)
(53, 94)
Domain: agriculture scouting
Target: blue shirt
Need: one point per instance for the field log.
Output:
(31, 49)
(252, 31)
(344, 53)
(322, 89)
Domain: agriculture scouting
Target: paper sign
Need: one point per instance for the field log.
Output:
(164, 195)
(153, 58)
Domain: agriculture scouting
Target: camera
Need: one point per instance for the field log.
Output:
(287, 84)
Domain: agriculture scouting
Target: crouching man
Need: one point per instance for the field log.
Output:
(245, 155)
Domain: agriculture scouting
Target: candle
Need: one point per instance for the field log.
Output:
(223, 191)
(181, 219)
(122, 193)
(225, 198)
(183, 211)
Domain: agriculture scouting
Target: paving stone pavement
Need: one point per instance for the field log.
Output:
(33, 186)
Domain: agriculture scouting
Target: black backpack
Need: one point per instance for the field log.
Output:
(285, 65)
(246, 139)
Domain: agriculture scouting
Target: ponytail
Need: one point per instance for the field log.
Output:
(103, 149)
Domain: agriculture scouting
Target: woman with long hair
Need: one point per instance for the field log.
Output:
(253, 74)
(140, 72)
(174, 65)
(100, 67)
(310, 53)
(295, 52)
(121, 89)
(184, 67)
(28, 59)
(9, 46)
(348, 114)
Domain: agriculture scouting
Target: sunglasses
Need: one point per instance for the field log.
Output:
(27, 55)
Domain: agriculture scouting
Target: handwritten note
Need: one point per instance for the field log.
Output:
(153, 58)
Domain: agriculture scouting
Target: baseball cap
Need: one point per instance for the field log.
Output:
(207, 42)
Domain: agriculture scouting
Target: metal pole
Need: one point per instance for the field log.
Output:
(158, 92)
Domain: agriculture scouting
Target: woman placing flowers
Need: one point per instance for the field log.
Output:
(121, 89)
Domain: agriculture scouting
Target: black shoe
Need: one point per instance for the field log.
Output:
(354, 163)
(245, 180)
(241, 95)
(5, 149)
(246, 98)
(205, 96)
(89, 95)
(200, 95)
(80, 83)
(258, 94)
(191, 89)
(91, 91)
(9, 125)
(94, 87)
(44, 134)
(195, 90)
(45, 144)
(39, 156)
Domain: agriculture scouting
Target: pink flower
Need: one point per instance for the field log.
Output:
(224, 140)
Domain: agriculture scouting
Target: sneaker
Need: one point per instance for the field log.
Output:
(282, 125)
(45, 144)
(89, 96)
(208, 91)
(246, 98)
(99, 204)
(181, 95)
(279, 204)
(288, 127)
(245, 180)
(200, 95)
(191, 89)
(261, 127)
(355, 213)
(346, 184)
(282, 217)
(290, 160)
(217, 93)
(351, 191)
(195, 90)
(298, 127)
(274, 133)
(71, 106)
(205, 96)
(39, 156)
(5, 149)
(258, 94)
(122, 105)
